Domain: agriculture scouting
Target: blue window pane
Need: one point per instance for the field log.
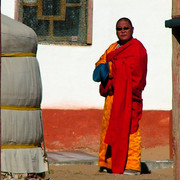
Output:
(73, 1)
(51, 7)
(43, 28)
(69, 27)
(30, 17)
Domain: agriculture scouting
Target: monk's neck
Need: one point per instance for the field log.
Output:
(123, 42)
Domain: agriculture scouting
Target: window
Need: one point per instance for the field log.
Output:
(58, 21)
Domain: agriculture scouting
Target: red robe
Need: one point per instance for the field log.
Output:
(129, 79)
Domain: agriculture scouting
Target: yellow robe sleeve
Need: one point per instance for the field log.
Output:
(102, 59)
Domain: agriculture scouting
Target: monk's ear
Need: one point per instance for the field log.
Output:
(132, 30)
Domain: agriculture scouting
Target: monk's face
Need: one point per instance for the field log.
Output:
(124, 31)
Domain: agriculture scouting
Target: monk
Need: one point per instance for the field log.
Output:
(121, 71)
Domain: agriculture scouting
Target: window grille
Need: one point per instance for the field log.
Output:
(58, 21)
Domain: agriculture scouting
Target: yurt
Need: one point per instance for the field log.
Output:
(22, 143)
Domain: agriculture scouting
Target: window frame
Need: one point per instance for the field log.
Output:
(66, 40)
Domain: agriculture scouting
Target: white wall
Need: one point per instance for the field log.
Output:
(67, 70)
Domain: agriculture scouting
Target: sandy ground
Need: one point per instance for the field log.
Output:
(91, 172)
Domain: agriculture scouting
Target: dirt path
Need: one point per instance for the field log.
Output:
(91, 172)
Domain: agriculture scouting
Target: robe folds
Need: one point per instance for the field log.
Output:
(128, 78)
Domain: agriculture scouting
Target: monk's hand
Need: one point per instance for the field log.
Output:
(110, 90)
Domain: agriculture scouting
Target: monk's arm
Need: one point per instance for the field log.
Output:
(103, 69)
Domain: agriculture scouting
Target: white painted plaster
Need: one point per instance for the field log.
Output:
(66, 71)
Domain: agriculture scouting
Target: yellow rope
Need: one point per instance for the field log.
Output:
(21, 108)
(18, 54)
(18, 146)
